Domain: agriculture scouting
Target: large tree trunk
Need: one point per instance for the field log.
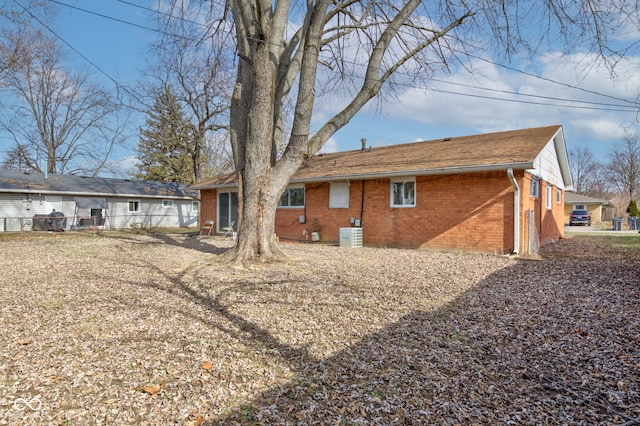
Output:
(256, 234)
(268, 67)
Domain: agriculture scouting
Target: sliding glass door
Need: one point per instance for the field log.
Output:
(227, 209)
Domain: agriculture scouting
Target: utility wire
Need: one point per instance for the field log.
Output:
(93, 64)
(531, 102)
(122, 21)
(631, 107)
(148, 9)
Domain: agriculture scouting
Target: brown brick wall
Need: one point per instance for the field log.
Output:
(470, 211)
(208, 205)
(465, 211)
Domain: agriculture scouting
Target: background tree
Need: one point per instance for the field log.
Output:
(290, 54)
(584, 168)
(199, 71)
(624, 166)
(57, 120)
(164, 146)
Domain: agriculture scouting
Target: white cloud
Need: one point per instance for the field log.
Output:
(330, 146)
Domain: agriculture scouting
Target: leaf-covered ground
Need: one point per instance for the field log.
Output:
(152, 330)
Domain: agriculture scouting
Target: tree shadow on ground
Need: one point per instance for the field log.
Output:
(214, 245)
(540, 342)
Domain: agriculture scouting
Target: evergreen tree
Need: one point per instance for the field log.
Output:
(163, 148)
(633, 209)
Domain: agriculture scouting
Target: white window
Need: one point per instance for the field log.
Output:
(339, 195)
(167, 203)
(535, 187)
(292, 197)
(403, 192)
(134, 206)
(579, 206)
(558, 196)
(549, 196)
(195, 206)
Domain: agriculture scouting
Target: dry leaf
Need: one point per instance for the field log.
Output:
(206, 365)
(24, 342)
(154, 389)
(173, 371)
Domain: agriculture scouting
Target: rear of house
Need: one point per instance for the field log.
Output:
(500, 192)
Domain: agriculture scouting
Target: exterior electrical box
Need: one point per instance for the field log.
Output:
(350, 237)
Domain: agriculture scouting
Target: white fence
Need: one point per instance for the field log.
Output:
(83, 223)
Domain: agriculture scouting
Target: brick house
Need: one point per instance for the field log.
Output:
(500, 192)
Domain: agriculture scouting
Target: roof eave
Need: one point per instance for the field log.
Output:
(422, 172)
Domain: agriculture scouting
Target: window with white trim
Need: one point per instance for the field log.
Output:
(339, 195)
(558, 196)
(133, 206)
(167, 203)
(292, 197)
(195, 206)
(535, 187)
(403, 192)
(548, 197)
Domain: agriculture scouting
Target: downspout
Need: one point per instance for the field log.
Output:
(516, 211)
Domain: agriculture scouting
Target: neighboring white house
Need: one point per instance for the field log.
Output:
(28, 202)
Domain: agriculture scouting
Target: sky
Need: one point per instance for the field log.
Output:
(572, 90)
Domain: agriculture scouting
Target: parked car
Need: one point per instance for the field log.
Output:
(580, 217)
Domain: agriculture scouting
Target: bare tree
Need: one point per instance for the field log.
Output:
(198, 69)
(586, 171)
(289, 53)
(624, 166)
(57, 120)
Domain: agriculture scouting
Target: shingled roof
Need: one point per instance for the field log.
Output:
(516, 149)
(78, 185)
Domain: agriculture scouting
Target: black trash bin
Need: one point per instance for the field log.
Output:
(634, 223)
(57, 221)
(40, 223)
(617, 224)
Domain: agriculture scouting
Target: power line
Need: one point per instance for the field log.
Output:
(550, 80)
(633, 106)
(122, 21)
(509, 92)
(117, 84)
(531, 102)
(148, 9)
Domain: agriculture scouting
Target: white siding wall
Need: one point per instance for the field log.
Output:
(152, 213)
(547, 167)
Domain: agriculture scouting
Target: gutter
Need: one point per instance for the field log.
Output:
(516, 211)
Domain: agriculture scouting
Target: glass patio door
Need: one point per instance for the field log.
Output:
(227, 209)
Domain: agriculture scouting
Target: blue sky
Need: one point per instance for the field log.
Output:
(571, 90)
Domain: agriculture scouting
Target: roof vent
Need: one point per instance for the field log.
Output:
(364, 143)
(446, 139)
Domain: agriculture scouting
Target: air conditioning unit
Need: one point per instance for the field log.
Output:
(350, 237)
